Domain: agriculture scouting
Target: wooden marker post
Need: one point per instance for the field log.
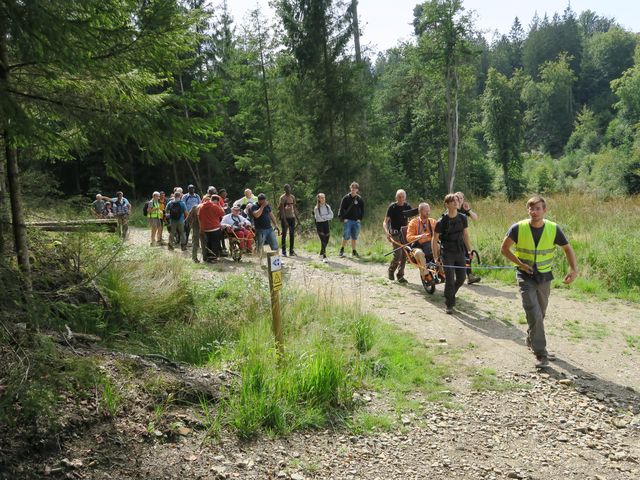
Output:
(274, 267)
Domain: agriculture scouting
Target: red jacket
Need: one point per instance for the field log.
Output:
(210, 215)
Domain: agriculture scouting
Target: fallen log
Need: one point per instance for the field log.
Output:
(93, 225)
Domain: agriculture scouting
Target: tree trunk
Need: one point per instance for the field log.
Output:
(13, 181)
(356, 31)
(453, 121)
(265, 92)
(4, 217)
(17, 217)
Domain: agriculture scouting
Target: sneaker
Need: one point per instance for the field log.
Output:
(195, 260)
(542, 362)
(391, 276)
(284, 253)
(402, 280)
(292, 253)
(448, 310)
(473, 278)
(341, 254)
(355, 254)
(224, 253)
(324, 260)
(184, 249)
(170, 247)
(551, 357)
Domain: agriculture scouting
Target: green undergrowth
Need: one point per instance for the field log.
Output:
(158, 304)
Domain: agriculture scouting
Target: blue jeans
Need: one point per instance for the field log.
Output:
(351, 230)
(266, 235)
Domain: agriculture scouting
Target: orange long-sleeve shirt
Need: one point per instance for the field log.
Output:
(417, 227)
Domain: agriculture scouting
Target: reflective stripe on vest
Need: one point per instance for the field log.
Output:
(542, 255)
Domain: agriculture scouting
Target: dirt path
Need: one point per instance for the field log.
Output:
(579, 419)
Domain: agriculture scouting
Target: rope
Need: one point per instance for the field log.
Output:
(484, 267)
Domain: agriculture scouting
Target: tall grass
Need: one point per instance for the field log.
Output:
(604, 234)
(331, 351)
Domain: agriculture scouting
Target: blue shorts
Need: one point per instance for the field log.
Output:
(266, 235)
(351, 230)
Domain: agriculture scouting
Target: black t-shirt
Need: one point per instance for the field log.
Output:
(264, 220)
(397, 216)
(451, 232)
(536, 232)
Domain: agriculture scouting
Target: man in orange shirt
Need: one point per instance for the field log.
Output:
(420, 232)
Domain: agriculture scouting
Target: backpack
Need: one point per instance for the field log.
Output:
(145, 209)
(175, 211)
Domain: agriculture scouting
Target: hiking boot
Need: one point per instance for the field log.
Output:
(355, 254)
(448, 310)
(391, 276)
(542, 362)
(473, 278)
(284, 253)
(341, 254)
(402, 280)
(292, 253)
(170, 247)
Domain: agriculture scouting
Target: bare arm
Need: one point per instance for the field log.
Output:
(275, 222)
(259, 211)
(573, 264)
(505, 249)
(385, 222)
(467, 240)
(435, 246)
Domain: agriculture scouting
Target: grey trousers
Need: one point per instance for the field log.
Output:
(176, 229)
(399, 259)
(535, 298)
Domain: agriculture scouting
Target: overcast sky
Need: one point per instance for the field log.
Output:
(386, 22)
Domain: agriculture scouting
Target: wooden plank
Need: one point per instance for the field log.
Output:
(96, 224)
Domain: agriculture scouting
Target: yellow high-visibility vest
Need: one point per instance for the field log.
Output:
(540, 256)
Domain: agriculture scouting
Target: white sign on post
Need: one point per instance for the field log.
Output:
(276, 263)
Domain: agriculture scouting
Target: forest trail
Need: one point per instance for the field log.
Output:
(578, 419)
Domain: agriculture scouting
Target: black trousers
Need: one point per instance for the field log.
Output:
(288, 224)
(212, 248)
(454, 277)
(323, 232)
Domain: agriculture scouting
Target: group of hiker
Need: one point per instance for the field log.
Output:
(443, 242)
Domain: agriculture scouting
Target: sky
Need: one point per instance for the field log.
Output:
(384, 23)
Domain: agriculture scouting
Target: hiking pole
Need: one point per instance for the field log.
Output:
(402, 246)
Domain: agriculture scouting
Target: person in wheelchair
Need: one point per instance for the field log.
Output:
(240, 226)
(420, 233)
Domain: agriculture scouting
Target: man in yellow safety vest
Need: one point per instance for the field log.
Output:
(535, 240)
